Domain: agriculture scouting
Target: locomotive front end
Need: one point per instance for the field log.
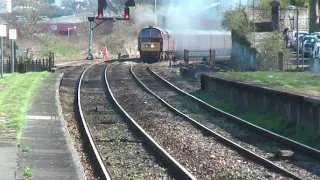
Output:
(150, 44)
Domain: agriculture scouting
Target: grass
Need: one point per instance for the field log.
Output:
(26, 149)
(305, 134)
(28, 172)
(305, 82)
(61, 49)
(16, 94)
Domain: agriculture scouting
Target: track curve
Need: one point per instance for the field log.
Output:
(103, 170)
(180, 170)
(224, 140)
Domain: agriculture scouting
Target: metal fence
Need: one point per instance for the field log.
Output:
(207, 57)
(30, 63)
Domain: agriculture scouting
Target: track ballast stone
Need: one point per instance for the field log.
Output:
(123, 153)
(300, 164)
(203, 156)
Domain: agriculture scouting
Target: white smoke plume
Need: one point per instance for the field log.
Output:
(181, 14)
(184, 14)
(58, 2)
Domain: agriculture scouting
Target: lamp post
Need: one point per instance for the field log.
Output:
(12, 37)
(155, 12)
(254, 24)
(297, 41)
(3, 33)
(69, 30)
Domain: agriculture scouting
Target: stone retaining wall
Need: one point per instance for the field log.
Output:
(301, 109)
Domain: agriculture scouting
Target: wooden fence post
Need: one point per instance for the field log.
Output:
(15, 64)
(33, 65)
(212, 58)
(7, 67)
(52, 58)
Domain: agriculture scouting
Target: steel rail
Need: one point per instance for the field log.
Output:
(103, 170)
(209, 132)
(170, 161)
(307, 150)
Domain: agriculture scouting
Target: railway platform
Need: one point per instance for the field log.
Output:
(46, 148)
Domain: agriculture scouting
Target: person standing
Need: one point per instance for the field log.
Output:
(286, 35)
(105, 52)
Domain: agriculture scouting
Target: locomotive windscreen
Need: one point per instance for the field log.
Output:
(150, 33)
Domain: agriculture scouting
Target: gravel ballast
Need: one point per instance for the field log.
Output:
(203, 156)
(124, 154)
(300, 164)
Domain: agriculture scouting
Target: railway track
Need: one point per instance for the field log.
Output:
(304, 163)
(117, 124)
(67, 93)
(204, 156)
(120, 152)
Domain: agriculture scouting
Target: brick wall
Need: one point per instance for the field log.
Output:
(264, 15)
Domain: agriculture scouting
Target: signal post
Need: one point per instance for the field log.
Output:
(102, 4)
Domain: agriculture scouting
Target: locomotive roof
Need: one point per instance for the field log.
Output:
(154, 27)
(198, 31)
(190, 31)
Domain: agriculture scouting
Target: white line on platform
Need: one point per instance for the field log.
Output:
(42, 117)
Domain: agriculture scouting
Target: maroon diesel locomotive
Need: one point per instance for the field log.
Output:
(156, 43)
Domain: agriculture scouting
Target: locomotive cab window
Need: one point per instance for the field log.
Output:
(150, 33)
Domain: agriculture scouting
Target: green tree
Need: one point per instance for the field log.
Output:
(27, 14)
(314, 15)
(284, 3)
(237, 20)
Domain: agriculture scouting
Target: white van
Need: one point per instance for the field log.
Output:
(316, 49)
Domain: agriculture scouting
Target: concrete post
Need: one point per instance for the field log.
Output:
(186, 57)
(212, 57)
(1, 53)
(90, 56)
(281, 61)
(275, 4)
(12, 56)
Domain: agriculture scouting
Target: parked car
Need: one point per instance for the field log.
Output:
(293, 38)
(306, 38)
(307, 50)
(316, 49)
(290, 7)
(316, 33)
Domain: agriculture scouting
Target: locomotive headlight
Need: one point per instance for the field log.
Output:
(153, 46)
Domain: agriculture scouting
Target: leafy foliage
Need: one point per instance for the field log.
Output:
(236, 20)
(123, 39)
(28, 172)
(26, 149)
(268, 56)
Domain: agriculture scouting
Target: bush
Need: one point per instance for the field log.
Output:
(123, 39)
(268, 57)
(237, 20)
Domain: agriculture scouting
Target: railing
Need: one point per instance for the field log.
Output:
(29, 63)
(206, 57)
